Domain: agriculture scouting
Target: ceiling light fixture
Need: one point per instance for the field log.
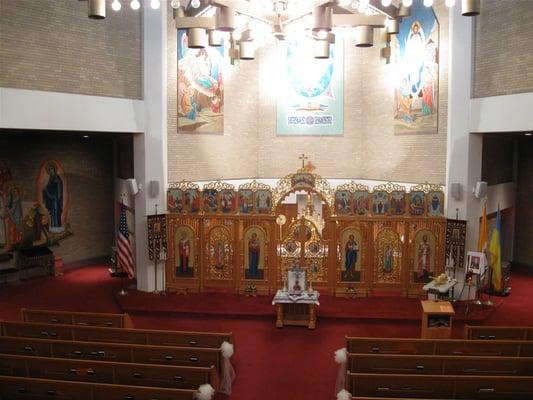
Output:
(116, 6)
(97, 9)
(135, 5)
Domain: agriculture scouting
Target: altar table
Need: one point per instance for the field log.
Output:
(296, 310)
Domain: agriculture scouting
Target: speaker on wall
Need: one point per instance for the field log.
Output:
(480, 190)
(132, 187)
(154, 188)
(455, 190)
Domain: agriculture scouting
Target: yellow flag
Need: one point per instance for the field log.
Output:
(495, 250)
(483, 231)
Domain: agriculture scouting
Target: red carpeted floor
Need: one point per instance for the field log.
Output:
(290, 363)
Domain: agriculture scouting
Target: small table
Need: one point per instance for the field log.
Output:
(296, 310)
(438, 291)
(437, 319)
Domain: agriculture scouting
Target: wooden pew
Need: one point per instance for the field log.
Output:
(440, 386)
(455, 347)
(499, 332)
(115, 335)
(103, 320)
(439, 365)
(17, 388)
(117, 352)
(170, 376)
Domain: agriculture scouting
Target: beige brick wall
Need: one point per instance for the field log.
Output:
(52, 45)
(504, 48)
(88, 164)
(368, 149)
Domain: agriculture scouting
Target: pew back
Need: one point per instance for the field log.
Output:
(456, 347)
(103, 320)
(170, 376)
(499, 332)
(19, 388)
(440, 386)
(115, 335)
(439, 365)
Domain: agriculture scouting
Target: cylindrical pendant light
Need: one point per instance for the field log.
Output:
(225, 19)
(404, 11)
(321, 48)
(178, 12)
(364, 36)
(247, 50)
(215, 38)
(197, 38)
(97, 9)
(470, 8)
(393, 26)
(322, 18)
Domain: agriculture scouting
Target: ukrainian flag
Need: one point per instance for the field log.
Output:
(495, 250)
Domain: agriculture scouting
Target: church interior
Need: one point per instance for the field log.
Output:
(266, 199)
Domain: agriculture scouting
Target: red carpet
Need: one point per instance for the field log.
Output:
(285, 364)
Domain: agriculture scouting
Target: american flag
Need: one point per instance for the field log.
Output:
(124, 253)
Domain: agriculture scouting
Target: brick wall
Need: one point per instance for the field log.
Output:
(88, 164)
(503, 62)
(523, 250)
(52, 45)
(369, 149)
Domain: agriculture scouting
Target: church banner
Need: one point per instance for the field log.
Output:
(200, 88)
(310, 97)
(415, 51)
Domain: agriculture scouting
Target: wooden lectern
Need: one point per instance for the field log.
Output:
(437, 319)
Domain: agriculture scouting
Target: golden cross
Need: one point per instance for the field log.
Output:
(303, 158)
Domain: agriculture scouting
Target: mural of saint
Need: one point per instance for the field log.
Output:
(210, 200)
(397, 203)
(387, 259)
(53, 197)
(350, 249)
(219, 254)
(227, 201)
(435, 204)
(175, 200)
(12, 216)
(246, 202)
(192, 200)
(184, 251)
(254, 253)
(263, 201)
(380, 203)
(416, 206)
(361, 203)
(343, 203)
(424, 258)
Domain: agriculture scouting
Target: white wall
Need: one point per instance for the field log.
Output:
(511, 113)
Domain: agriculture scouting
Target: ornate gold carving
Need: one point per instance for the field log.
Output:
(427, 187)
(284, 187)
(219, 185)
(254, 186)
(389, 187)
(353, 187)
(183, 185)
(387, 268)
(219, 254)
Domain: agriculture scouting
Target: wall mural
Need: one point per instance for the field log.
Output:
(30, 223)
(415, 51)
(200, 88)
(310, 101)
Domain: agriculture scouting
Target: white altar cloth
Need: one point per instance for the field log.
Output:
(302, 298)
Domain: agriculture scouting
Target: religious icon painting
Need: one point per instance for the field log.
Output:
(184, 257)
(210, 200)
(263, 201)
(175, 200)
(415, 51)
(424, 247)
(53, 201)
(435, 204)
(200, 88)
(254, 253)
(350, 255)
(228, 201)
(455, 242)
(219, 254)
(191, 200)
(416, 203)
(303, 180)
(246, 201)
(361, 202)
(397, 203)
(343, 202)
(388, 254)
(380, 203)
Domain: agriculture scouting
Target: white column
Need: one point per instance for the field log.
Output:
(464, 150)
(150, 149)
